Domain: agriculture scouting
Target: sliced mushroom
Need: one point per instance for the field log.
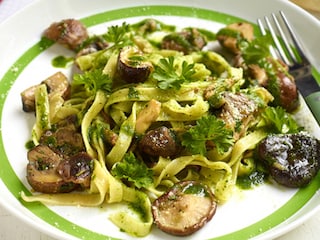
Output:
(245, 29)
(187, 41)
(42, 171)
(132, 67)
(69, 32)
(77, 169)
(288, 95)
(293, 160)
(159, 142)
(258, 73)
(184, 209)
(282, 86)
(28, 99)
(57, 83)
(93, 44)
(228, 36)
(64, 140)
(238, 112)
(64, 137)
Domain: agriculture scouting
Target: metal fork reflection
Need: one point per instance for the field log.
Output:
(299, 65)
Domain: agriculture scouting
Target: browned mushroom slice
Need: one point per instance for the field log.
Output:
(187, 41)
(288, 94)
(69, 32)
(92, 45)
(64, 140)
(132, 67)
(159, 142)
(292, 160)
(184, 209)
(41, 171)
(238, 112)
(258, 73)
(56, 83)
(229, 35)
(77, 169)
(28, 99)
(282, 86)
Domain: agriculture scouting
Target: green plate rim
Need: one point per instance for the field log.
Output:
(15, 186)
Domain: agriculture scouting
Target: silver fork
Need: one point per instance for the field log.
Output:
(299, 66)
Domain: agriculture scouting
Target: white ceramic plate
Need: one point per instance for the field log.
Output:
(263, 213)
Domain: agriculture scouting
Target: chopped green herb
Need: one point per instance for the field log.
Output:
(118, 35)
(167, 75)
(133, 170)
(208, 128)
(61, 61)
(133, 93)
(277, 120)
(257, 49)
(253, 179)
(93, 81)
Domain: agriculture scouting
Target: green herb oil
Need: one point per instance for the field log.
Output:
(61, 61)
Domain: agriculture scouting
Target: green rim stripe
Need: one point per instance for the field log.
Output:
(15, 186)
(159, 10)
(279, 216)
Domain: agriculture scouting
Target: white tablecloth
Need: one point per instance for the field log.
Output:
(12, 228)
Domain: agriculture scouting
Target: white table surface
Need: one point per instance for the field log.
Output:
(12, 228)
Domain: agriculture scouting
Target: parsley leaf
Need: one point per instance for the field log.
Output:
(256, 50)
(92, 81)
(277, 120)
(208, 128)
(166, 73)
(118, 35)
(134, 170)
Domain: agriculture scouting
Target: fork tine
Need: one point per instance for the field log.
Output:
(287, 35)
(276, 42)
(294, 38)
(263, 32)
(284, 37)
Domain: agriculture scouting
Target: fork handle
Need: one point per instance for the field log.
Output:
(313, 102)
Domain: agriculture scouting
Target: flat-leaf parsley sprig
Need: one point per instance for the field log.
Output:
(134, 171)
(277, 120)
(208, 128)
(168, 76)
(118, 35)
(92, 81)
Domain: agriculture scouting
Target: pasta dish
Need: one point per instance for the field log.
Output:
(151, 108)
